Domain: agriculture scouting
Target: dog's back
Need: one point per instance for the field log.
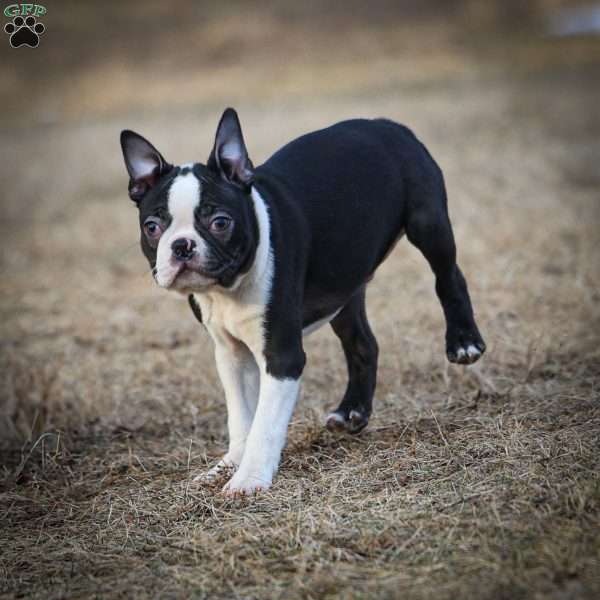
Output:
(349, 184)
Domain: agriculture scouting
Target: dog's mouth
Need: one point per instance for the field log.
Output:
(193, 276)
(182, 277)
(186, 271)
(188, 278)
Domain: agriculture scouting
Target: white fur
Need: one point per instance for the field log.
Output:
(259, 405)
(473, 353)
(240, 377)
(142, 165)
(184, 198)
(241, 380)
(267, 436)
(318, 324)
(231, 150)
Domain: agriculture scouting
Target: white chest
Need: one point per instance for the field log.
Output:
(231, 320)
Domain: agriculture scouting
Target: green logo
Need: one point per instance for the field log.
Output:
(22, 10)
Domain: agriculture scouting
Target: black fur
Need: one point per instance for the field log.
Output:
(339, 199)
(195, 307)
(361, 351)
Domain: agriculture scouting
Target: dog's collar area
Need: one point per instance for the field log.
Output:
(195, 307)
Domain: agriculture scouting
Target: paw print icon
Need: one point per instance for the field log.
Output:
(24, 32)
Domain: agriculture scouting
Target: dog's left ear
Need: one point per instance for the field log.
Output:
(229, 156)
(144, 163)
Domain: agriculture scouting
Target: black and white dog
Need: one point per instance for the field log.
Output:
(268, 254)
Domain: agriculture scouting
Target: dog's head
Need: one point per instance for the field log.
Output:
(198, 223)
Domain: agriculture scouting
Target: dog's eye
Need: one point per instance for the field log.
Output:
(220, 224)
(152, 229)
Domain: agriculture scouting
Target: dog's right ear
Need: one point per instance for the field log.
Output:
(144, 163)
(229, 156)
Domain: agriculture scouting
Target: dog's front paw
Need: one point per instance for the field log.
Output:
(224, 466)
(464, 347)
(247, 484)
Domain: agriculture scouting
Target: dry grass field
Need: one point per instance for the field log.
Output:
(479, 482)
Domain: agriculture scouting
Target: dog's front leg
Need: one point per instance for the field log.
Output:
(276, 402)
(239, 376)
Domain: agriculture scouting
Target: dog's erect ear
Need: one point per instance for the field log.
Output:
(229, 156)
(144, 163)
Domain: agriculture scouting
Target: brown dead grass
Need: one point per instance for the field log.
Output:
(469, 483)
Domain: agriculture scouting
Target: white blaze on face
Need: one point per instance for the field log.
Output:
(184, 198)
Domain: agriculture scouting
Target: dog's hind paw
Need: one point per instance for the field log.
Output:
(354, 422)
(467, 350)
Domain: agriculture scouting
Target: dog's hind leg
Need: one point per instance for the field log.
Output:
(360, 347)
(428, 228)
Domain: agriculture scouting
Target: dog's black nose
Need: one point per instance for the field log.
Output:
(183, 249)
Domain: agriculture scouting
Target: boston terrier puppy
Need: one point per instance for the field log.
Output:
(268, 254)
